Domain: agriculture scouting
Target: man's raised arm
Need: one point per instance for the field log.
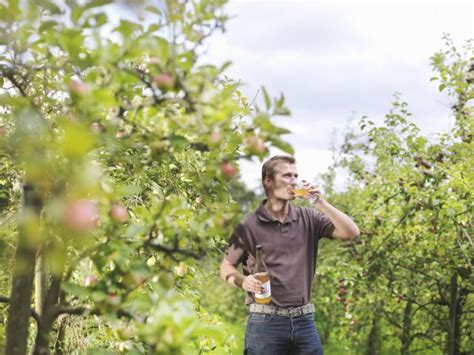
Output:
(346, 229)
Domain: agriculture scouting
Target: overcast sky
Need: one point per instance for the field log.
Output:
(337, 60)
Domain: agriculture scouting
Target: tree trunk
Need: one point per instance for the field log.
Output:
(457, 300)
(40, 282)
(373, 340)
(42, 336)
(23, 272)
(406, 330)
(50, 301)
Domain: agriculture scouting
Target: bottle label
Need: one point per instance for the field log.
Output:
(266, 291)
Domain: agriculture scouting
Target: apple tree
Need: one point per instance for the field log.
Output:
(118, 147)
(406, 285)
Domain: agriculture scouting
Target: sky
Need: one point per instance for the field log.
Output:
(337, 61)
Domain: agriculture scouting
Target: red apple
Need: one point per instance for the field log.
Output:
(81, 216)
(215, 138)
(119, 213)
(3, 131)
(342, 290)
(228, 169)
(121, 133)
(153, 61)
(91, 280)
(132, 279)
(164, 81)
(255, 145)
(97, 127)
(113, 299)
(78, 87)
(125, 333)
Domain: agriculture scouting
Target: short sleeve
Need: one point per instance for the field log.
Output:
(323, 226)
(236, 251)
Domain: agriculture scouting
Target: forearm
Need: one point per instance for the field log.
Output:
(345, 226)
(231, 275)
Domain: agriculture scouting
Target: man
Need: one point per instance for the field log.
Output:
(289, 237)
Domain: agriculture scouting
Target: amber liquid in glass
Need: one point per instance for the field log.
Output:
(261, 274)
(301, 192)
(264, 278)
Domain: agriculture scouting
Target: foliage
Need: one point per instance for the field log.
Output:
(406, 285)
(123, 147)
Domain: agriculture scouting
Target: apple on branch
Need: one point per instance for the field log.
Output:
(119, 213)
(81, 216)
(164, 81)
(228, 169)
(215, 138)
(91, 280)
(255, 145)
(78, 87)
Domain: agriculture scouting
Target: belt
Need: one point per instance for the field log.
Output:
(281, 311)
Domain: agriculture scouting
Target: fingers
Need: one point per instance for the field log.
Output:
(312, 189)
(251, 284)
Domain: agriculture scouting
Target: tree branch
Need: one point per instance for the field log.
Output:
(170, 251)
(78, 311)
(10, 75)
(36, 317)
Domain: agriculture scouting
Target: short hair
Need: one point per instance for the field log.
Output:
(269, 167)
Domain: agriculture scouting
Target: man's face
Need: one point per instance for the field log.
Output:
(283, 182)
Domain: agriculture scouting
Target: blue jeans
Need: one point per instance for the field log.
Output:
(277, 335)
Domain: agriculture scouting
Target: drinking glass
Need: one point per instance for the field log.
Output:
(301, 192)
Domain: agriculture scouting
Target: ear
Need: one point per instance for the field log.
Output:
(267, 182)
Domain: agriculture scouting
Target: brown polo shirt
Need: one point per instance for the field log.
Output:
(289, 250)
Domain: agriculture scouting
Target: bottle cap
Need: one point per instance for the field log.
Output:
(259, 246)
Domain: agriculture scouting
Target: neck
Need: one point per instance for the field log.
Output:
(277, 208)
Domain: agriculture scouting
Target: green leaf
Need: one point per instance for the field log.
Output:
(127, 28)
(12, 12)
(46, 25)
(71, 41)
(96, 3)
(179, 142)
(49, 5)
(153, 9)
(76, 142)
(283, 146)
(266, 97)
(281, 111)
(135, 230)
(105, 96)
(225, 66)
(75, 289)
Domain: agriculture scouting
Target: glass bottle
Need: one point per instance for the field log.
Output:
(261, 274)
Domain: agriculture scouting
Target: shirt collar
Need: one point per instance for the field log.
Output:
(264, 216)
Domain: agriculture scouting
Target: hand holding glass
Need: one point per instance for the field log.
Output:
(303, 190)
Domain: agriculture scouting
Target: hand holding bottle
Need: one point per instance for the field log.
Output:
(252, 284)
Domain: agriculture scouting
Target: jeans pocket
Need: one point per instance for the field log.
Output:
(260, 317)
(309, 316)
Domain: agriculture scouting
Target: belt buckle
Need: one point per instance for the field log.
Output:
(295, 312)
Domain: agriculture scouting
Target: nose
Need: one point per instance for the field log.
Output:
(293, 181)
